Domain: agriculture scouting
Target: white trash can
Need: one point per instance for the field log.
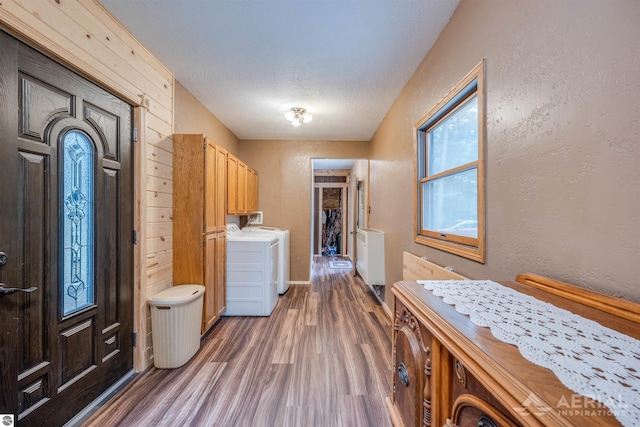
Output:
(176, 316)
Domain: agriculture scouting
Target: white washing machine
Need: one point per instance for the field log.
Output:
(284, 258)
(252, 273)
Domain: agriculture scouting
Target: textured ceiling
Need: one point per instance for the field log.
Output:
(248, 61)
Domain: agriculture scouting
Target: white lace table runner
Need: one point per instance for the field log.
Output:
(588, 358)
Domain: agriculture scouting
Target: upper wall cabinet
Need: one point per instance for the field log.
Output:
(242, 187)
(252, 190)
(232, 185)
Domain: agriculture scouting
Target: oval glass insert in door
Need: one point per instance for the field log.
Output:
(77, 223)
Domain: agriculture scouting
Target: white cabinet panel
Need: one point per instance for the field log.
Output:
(370, 256)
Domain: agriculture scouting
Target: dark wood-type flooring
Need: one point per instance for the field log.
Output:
(323, 358)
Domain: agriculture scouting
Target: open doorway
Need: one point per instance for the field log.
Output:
(333, 206)
(331, 211)
(339, 205)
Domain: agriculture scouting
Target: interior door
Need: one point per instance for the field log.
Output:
(66, 223)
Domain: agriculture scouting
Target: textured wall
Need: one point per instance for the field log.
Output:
(284, 170)
(563, 141)
(192, 117)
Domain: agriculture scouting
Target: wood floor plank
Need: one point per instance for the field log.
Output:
(272, 404)
(287, 342)
(299, 416)
(179, 411)
(311, 309)
(356, 370)
(323, 358)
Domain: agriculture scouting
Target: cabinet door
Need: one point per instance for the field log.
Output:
(221, 273)
(471, 403)
(209, 309)
(232, 185)
(221, 189)
(188, 208)
(210, 163)
(242, 188)
(412, 388)
(255, 191)
(252, 190)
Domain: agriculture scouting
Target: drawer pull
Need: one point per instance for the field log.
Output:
(485, 421)
(403, 374)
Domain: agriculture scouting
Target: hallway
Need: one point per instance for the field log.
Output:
(323, 358)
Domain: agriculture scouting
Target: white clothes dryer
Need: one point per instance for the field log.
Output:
(252, 273)
(284, 254)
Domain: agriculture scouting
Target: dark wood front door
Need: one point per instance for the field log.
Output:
(66, 220)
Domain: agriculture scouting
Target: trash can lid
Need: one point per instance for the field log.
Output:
(177, 295)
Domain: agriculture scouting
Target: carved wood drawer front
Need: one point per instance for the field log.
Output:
(449, 371)
(472, 405)
(431, 388)
(412, 369)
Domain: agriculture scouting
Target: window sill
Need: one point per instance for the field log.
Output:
(472, 253)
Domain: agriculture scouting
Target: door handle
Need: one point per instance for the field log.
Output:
(7, 291)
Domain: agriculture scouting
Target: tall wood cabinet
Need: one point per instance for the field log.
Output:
(199, 220)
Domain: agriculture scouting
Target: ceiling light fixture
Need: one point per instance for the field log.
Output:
(297, 116)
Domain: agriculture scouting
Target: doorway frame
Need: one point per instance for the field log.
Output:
(344, 203)
(359, 169)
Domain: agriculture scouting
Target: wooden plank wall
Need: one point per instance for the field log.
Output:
(82, 35)
(416, 268)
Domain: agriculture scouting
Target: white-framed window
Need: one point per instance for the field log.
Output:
(450, 170)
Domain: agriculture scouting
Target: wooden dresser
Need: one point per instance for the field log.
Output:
(447, 371)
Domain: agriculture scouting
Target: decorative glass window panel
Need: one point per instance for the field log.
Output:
(77, 223)
(450, 171)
